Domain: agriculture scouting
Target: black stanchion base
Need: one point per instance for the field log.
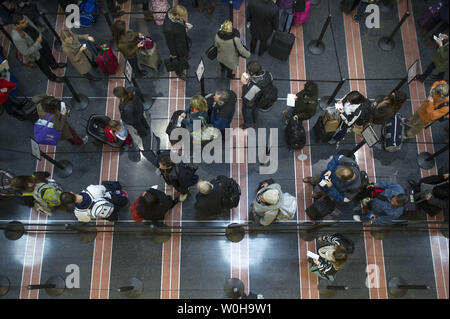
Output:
(422, 160)
(307, 235)
(316, 47)
(323, 102)
(160, 234)
(14, 230)
(393, 288)
(234, 288)
(80, 105)
(147, 101)
(4, 285)
(235, 233)
(386, 45)
(60, 285)
(66, 171)
(137, 285)
(324, 292)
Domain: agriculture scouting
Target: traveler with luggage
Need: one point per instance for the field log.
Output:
(262, 15)
(229, 48)
(431, 193)
(332, 256)
(222, 110)
(258, 91)
(39, 191)
(196, 110)
(181, 176)
(271, 204)
(33, 47)
(301, 12)
(433, 108)
(439, 61)
(217, 196)
(174, 28)
(152, 205)
(97, 201)
(305, 103)
(384, 107)
(341, 180)
(53, 110)
(77, 53)
(129, 43)
(285, 16)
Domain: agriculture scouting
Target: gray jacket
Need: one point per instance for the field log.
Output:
(26, 46)
(226, 49)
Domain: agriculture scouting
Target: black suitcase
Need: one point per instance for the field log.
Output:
(320, 208)
(173, 124)
(281, 46)
(320, 135)
(393, 134)
(295, 135)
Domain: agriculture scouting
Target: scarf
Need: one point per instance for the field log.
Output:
(175, 20)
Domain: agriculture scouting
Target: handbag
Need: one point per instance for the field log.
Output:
(149, 57)
(211, 53)
(44, 133)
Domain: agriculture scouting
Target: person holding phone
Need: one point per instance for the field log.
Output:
(439, 61)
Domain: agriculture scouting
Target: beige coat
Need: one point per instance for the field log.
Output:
(226, 51)
(77, 57)
(59, 121)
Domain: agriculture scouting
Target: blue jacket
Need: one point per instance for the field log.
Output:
(222, 115)
(383, 210)
(341, 189)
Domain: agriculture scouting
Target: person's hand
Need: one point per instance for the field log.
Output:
(446, 176)
(346, 200)
(188, 24)
(316, 261)
(428, 196)
(439, 42)
(430, 99)
(295, 117)
(82, 48)
(375, 103)
(183, 115)
(64, 112)
(328, 173)
(329, 183)
(91, 39)
(320, 238)
(39, 39)
(140, 44)
(244, 80)
(4, 90)
(265, 184)
(340, 110)
(173, 56)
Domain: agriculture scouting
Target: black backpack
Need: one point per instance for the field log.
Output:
(268, 96)
(347, 243)
(232, 191)
(295, 135)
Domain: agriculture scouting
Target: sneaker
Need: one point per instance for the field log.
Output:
(357, 218)
(85, 139)
(183, 197)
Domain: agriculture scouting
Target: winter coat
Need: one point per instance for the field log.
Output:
(428, 111)
(222, 115)
(128, 44)
(263, 18)
(59, 121)
(306, 103)
(77, 57)
(226, 49)
(212, 202)
(176, 37)
(81, 209)
(440, 58)
(25, 45)
(278, 211)
(340, 189)
(181, 176)
(132, 112)
(156, 212)
(384, 210)
(261, 81)
(326, 266)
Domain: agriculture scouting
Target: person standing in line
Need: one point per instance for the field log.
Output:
(229, 48)
(262, 15)
(439, 61)
(152, 205)
(34, 48)
(177, 40)
(285, 14)
(223, 109)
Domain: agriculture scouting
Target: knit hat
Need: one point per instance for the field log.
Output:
(270, 196)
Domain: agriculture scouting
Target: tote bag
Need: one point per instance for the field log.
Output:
(45, 133)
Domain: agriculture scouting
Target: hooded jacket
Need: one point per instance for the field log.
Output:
(261, 81)
(226, 49)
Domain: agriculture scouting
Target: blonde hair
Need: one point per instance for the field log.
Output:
(340, 257)
(198, 102)
(226, 27)
(345, 173)
(115, 125)
(65, 34)
(178, 11)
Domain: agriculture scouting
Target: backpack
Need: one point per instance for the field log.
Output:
(347, 243)
(101, 208)
(232, 191)
(268, 96)
(49, 192)
(295, 135)
(88, 12)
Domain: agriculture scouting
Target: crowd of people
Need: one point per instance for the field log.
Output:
(341, 183)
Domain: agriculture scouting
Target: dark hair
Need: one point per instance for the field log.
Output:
(254, 68)
(402, 199)
(166, 161)
(50, 104)
(340, 257)
(118, 28)
(311, 89)
(16, 18)
(149, 199)
(354, 97)
(67, 198)
(123, 94)
(21, 183)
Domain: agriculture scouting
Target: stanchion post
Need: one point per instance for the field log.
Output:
(317, 47)
(202, 86)
(327, 100)
(425, 159)
(388, 43)
(230, 8)
(58, 43)
(3, 30)
(64, 167)
(79, 100)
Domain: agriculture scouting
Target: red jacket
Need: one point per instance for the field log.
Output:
(110, 137)
(9, 86)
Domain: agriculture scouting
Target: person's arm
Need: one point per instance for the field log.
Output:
(219, 123)
(331, 239)
(23, 48)
(334, 163)
(436, 114)
(323, 266)
(335, 194)
(391, 186)
(241, 48)
(350, 123)
(181, 44)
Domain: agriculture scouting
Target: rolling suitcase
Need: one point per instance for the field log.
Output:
(393, 133)
(281, 45)
(107, 60)
(320, 208)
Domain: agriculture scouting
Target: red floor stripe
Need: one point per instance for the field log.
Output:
(439, 244)
(374, 248)
(34, 250)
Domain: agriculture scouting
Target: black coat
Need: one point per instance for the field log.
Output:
(132, 112)
(211, 204)
(263, 18)
(176, 38)
(157, 211)
(181, 176)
